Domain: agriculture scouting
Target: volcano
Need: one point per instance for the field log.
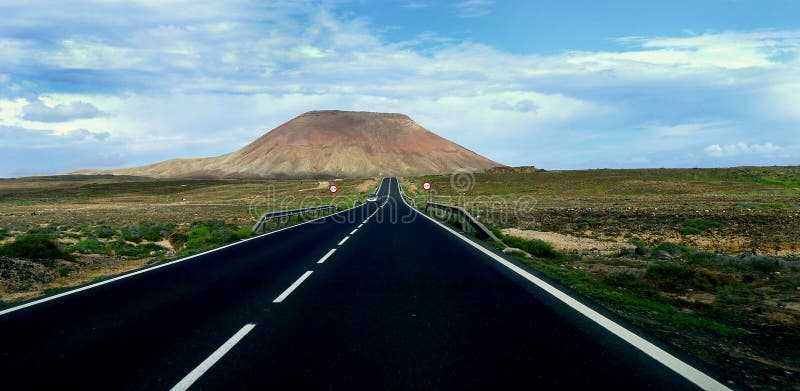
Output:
(328, 144)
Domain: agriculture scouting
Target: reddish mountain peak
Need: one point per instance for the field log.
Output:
(332, 143)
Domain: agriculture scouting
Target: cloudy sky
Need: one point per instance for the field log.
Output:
(552, 83)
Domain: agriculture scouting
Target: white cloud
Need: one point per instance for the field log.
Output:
(474, 8)
(39, 111)
(417, 5)
(693, 129)
(731, 150)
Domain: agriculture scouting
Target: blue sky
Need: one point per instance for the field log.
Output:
(556, 84)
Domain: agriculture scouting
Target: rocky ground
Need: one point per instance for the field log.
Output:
(92, 221)
(706, 260)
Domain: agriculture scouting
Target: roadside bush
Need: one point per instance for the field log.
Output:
(132, 234)
(4, 233)
(735, 294)
(701, 258)
(147, 230)
(672, 248)
(537, 248)
(707, 280)
(143, 250)
(37, 247)
(753, 264)
(677, 278)
(669, 277)
(178, 239)
(765, 264)
(631, 281)
(207, 234)
(699, 225)
(63, 271)
(125, 249)
(46, 230)
(105, 231)
(88, 246)
(68, 226)
(155, 231)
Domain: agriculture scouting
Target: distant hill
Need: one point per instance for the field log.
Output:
(328, 144)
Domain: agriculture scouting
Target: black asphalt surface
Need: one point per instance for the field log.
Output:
(402, 304)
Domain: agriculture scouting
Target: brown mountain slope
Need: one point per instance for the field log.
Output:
(329, 143)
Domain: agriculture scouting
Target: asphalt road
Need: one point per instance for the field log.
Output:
(401, 303)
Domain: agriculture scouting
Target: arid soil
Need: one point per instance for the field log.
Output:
(706, 260)
(72, 208)
(572, 244)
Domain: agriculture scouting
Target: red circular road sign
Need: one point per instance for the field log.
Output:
(333, 188)
(426, 186)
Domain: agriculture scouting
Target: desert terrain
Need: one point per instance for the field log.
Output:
(706, 260)
(83, 228)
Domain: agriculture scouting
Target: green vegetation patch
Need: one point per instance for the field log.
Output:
(88, 246)
(147, 230)
(786, 182)
(678, 278)
(763, 205)
(117, 247)
(536, 248)
(125, 249)
(736, 294)
(698, 225)
(204, 235)
(629, 296)
(36, 247)
(46, 230)
(54, 290)
(758, 264)
(104, 231)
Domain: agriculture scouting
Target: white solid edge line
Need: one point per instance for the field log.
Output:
(689, 372)
(343, 240)
(135, 273)
(353, 231)
(326, 256)
(204, 366)
(292, 287)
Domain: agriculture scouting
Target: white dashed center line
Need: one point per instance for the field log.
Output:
(326, 256)
(353, 231)
(204, 366)
(343, 240)
(294, 286)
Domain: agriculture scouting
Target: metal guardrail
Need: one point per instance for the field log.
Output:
(278, 216)
(465, 218)
(406, 198)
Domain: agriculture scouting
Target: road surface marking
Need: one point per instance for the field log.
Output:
(326, 256)
(343, 240)
(149, 269)
(692, 374)
(204, 366)
(353, 231)
(294, 286)
(360, 225)
(365, 221)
